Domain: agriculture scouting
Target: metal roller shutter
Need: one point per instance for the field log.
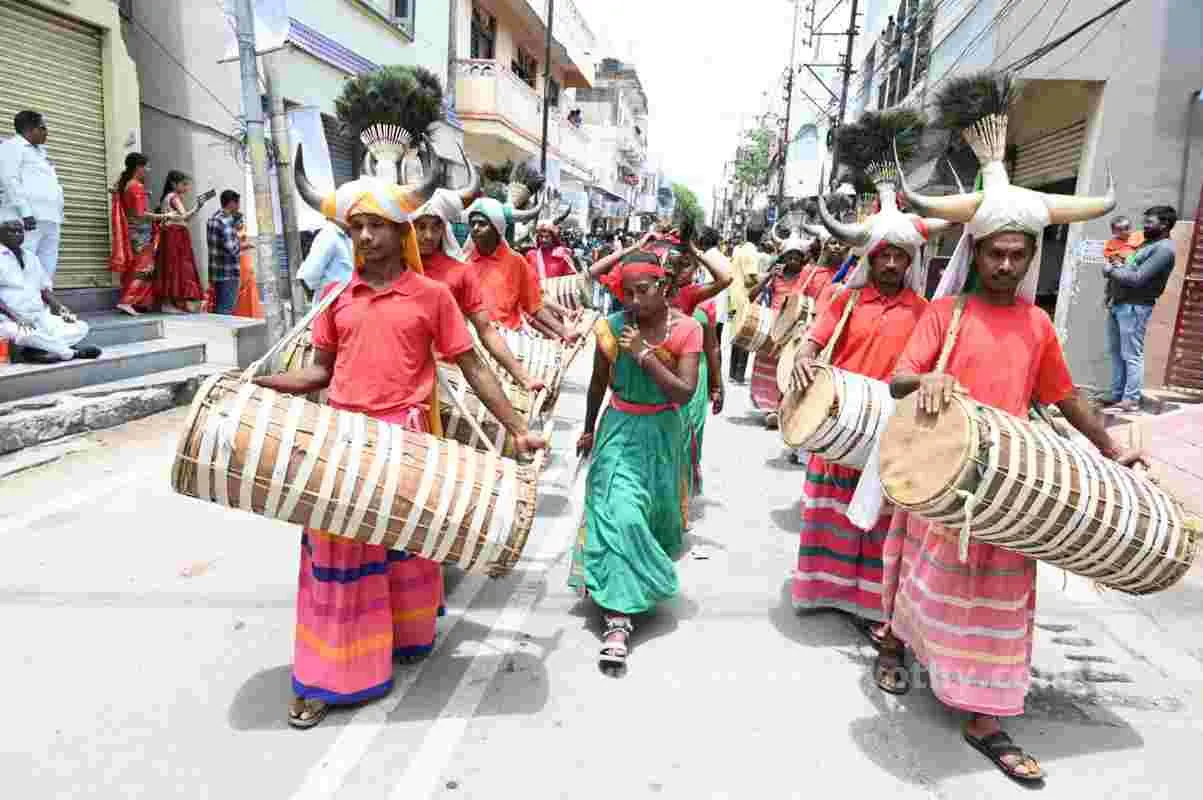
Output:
(52, 64)
(1051, 158)
(342, 151)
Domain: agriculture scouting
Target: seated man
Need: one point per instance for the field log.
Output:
(31, 317)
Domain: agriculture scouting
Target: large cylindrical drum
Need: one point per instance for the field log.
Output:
(298, 354)
(839, 417)
(455, 415)
(570, 291)
(796, 313)
(785, 362)
(1023, 487)
(752, 327)
(286, 458)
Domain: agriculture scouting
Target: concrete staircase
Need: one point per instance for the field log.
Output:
(150, 363)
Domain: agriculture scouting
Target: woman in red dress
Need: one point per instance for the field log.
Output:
(135, 237)
(177, 282)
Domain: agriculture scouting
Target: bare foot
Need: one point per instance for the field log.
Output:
(126, 308)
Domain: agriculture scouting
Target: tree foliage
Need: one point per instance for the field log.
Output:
(752, 158)
(688, 206)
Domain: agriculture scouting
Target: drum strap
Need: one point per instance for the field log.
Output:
(950, 338)
(829, 350)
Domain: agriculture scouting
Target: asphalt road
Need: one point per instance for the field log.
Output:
(148, 637)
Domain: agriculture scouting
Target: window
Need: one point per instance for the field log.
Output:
(524, 66)
(403, 14)
(484, 34)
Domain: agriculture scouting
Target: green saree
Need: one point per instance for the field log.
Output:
(635, 491)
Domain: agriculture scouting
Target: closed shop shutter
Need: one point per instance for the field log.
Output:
(1050, 158)
(342, 151)
(52, 64)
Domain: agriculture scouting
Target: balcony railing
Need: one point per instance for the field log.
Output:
(485, 89)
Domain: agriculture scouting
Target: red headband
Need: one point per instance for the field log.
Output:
(613, 281)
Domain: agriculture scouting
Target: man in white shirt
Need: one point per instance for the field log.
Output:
(330, 259)
(31, 189)
(30, 315)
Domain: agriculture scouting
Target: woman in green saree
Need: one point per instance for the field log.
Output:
(637, 489)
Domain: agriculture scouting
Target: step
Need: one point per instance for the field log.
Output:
(36, 421)
(111, 328)
(229, 340)
(86, 301)
(20, 381)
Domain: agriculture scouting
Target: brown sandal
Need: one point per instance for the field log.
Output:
(614, 654)
(889, 671)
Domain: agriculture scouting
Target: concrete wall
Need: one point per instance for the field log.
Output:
(187, 123)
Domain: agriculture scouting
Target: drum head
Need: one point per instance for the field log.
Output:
(922, 456)
(787, 317)
(802, 413)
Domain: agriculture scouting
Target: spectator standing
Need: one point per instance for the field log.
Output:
(32, 192)
(1133, 288)
(177, 283)
(330, 259)
(225, 252)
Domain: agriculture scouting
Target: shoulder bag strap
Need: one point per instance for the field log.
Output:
(829, 350)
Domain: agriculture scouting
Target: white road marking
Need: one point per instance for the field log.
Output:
(445, 733)
(330, 771)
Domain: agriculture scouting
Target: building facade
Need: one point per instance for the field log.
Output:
(1122, 94)
(68, 60)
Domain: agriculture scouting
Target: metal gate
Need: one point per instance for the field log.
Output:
(1184, 369)
(53, 65)
(1051, 158)
(343, 151)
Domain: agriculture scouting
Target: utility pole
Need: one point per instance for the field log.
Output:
(266, 272)
(835, 148)
(789, 104)
(287, 188)
(551, 13)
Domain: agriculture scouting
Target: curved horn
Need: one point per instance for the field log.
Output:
(817, 231)
(312, 197)
(849, 232)
(520, 215)
(955, 208)
(955, 176)
(468, 193)
(1063, 208)
(560, 219)
(432, 172)
(936, 226)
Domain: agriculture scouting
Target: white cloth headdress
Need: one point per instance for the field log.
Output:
(447, 206)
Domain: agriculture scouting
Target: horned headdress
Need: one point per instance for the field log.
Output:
(977, 106)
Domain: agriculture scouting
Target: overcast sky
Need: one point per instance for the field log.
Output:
(704, 67)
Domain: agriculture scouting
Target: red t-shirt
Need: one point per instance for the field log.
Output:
(383, 341)
(459, 278)
(876, 332)
(822, 279)
(688, 297)
(555, 263)
(509, 285)
(1005, 356)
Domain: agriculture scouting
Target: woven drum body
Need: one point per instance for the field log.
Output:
(797, 312)
(1020, 486)
(753, 326)
(839, 417)
(298, 354)
(456, 427)
(286, 458)
(571, 291)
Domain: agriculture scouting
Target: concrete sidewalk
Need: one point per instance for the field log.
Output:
(1174, 442)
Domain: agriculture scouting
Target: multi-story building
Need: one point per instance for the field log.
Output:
(501, 85)
(69, 61)
(1123, 93)
(615, 114)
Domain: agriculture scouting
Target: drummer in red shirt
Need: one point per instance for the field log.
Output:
(361, 605)
(444, 261)
(510, 286)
